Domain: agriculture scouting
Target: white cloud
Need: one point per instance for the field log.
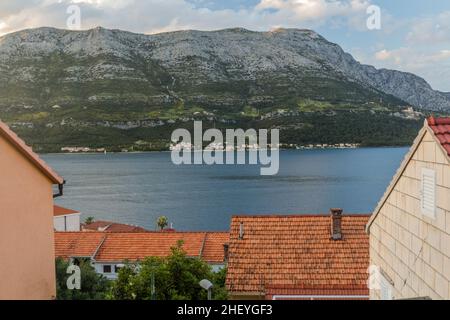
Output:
(315, 9)
(168, 15)
(434, 66)
(382, 55)
(418, 59)
(430, 30)
(423, 49)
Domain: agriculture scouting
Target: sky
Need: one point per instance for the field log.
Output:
(412, 35)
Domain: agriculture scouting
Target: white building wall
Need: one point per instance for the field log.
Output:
(113, 274)
(217, 267)
(58, 223)
(109, 275)
(73, 222)
(70, 222)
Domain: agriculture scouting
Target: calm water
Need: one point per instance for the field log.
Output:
(138, 188)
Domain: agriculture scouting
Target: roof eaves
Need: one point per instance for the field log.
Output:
(300, 215)
(25, 150)
(246, 293)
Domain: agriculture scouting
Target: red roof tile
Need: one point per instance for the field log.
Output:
(296, 252)
(108, 226)
(26, 151)
(137, 246)
(61, 211)
(118, 247)
(213, 250)
(441, 128)
(77, 244)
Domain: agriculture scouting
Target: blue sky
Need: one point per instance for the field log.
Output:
(414, 34)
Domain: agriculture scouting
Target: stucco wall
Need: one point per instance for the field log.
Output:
(413, 249)
(27, 268)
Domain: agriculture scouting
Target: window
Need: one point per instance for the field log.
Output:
(428, 193)
(106, 269)
(117, 268)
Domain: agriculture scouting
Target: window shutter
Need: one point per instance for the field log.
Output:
(428, 192)
(386, 289)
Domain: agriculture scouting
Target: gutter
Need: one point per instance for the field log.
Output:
(60, 190)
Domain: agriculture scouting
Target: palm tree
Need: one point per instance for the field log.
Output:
(162, 222)
(89, 220)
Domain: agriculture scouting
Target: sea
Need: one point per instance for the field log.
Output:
(137, 188)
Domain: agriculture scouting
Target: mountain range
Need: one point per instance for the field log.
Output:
(119, 89)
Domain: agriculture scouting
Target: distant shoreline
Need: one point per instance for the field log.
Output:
(168, 151)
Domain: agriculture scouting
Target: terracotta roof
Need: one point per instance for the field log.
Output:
(28, 153)
(296, 252)
(108, 226)
(61, 211)
(77, 244)
(316, 293)
(118, 247)
(441, 128)
(213, 250)
(137, 246)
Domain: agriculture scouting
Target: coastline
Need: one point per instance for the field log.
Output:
(280, 149)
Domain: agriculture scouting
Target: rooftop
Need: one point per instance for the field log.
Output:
(77, 244)
(118, 247)
(441, 128)
(61, 211)
(296, 253)
(108, 226)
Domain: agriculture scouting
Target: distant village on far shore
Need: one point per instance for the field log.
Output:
(220, 147)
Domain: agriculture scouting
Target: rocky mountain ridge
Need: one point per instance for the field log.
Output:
(191, 65)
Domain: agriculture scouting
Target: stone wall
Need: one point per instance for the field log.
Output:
(413, 250)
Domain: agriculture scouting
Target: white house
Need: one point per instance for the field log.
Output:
(65, 219)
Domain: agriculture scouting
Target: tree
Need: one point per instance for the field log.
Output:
(89, 220)
(162, 222)
(176, 277)
(93, 285)
(219, 290)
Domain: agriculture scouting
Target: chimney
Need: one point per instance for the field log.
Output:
(336, 224)
(241, 231)
(226, 248)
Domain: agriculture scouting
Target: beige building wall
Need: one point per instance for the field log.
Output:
(413, 250)
(27, 267)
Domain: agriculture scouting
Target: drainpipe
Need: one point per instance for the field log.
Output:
(60, 190)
